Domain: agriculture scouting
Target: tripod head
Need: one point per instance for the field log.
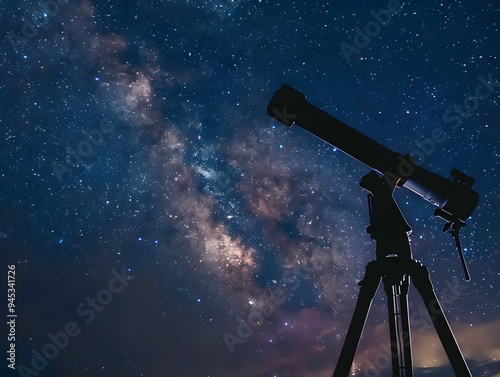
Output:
(456, 200)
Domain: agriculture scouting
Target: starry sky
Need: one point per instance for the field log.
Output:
(160, 223)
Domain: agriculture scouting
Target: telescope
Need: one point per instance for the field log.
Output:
(455, 201)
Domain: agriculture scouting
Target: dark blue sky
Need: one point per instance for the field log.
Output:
(136, 140)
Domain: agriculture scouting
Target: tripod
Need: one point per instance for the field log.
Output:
(394, 266)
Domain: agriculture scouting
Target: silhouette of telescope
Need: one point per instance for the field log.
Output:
(456, 199)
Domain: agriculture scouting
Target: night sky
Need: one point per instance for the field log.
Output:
(160, 223)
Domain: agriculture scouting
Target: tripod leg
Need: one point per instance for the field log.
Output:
(368, 289)
(405, 326)
(390, 290)
(422, 281)
(399, 326)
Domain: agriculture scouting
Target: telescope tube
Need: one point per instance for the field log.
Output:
(456, 199)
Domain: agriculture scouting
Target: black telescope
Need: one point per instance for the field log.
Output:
(456, 199)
